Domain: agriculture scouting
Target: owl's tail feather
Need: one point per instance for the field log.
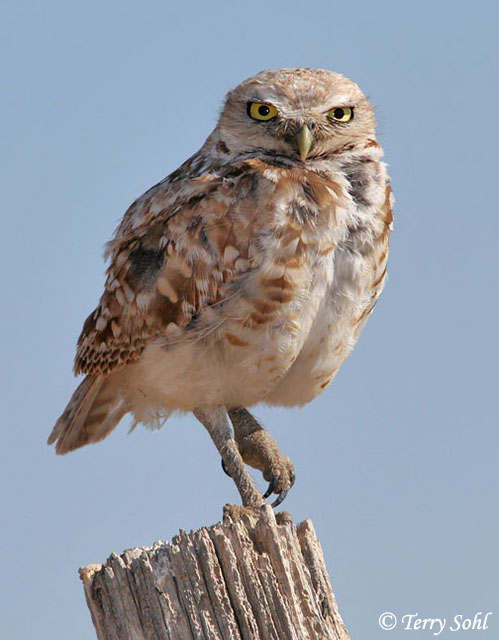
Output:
(93, 412)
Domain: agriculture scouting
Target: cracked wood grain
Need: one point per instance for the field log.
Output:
(252, 578)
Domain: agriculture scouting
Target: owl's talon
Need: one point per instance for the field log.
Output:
(282, 495)
(259, 450)
(271, 487)
(225, 468)
(280, 498)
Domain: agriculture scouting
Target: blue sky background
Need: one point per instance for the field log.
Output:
(397, 461)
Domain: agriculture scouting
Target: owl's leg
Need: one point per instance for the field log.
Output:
(216, 422)
(259, 449)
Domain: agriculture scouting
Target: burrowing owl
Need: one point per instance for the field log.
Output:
(245, 276)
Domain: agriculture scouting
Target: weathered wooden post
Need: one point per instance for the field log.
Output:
(254, 578)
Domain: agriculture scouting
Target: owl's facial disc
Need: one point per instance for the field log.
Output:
(262, 112)
(300, 114)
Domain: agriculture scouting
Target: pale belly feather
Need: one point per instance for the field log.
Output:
(286, 363)
(332, 335)
(212, 372)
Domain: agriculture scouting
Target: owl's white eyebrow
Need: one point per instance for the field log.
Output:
(341, 99)
(262, 100)
(340, 105)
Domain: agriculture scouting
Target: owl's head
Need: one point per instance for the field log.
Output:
(297, 113)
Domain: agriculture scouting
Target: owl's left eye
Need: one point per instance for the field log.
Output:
(340, 114)
(261, 111)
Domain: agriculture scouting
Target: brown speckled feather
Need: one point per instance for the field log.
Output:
(166, 269)
(181, 258)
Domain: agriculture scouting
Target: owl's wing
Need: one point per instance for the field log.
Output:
(175, 249)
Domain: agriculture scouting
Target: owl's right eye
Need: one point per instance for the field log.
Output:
(261, 111)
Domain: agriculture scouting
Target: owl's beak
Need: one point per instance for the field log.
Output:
(304, 140)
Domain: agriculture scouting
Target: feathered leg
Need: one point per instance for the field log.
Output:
(216, 422)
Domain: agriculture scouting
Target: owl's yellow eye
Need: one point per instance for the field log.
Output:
(261, 111)
(341, 114)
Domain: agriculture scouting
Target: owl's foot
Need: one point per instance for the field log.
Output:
(236, 512)
(253, 514)
(259, 450)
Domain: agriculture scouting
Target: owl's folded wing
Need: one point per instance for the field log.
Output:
(173, 252)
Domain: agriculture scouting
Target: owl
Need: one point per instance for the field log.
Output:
(244, 277)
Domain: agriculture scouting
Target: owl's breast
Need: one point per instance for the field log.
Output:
(355, 280)
(341, 312)
(236, 351)
(280, 329)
